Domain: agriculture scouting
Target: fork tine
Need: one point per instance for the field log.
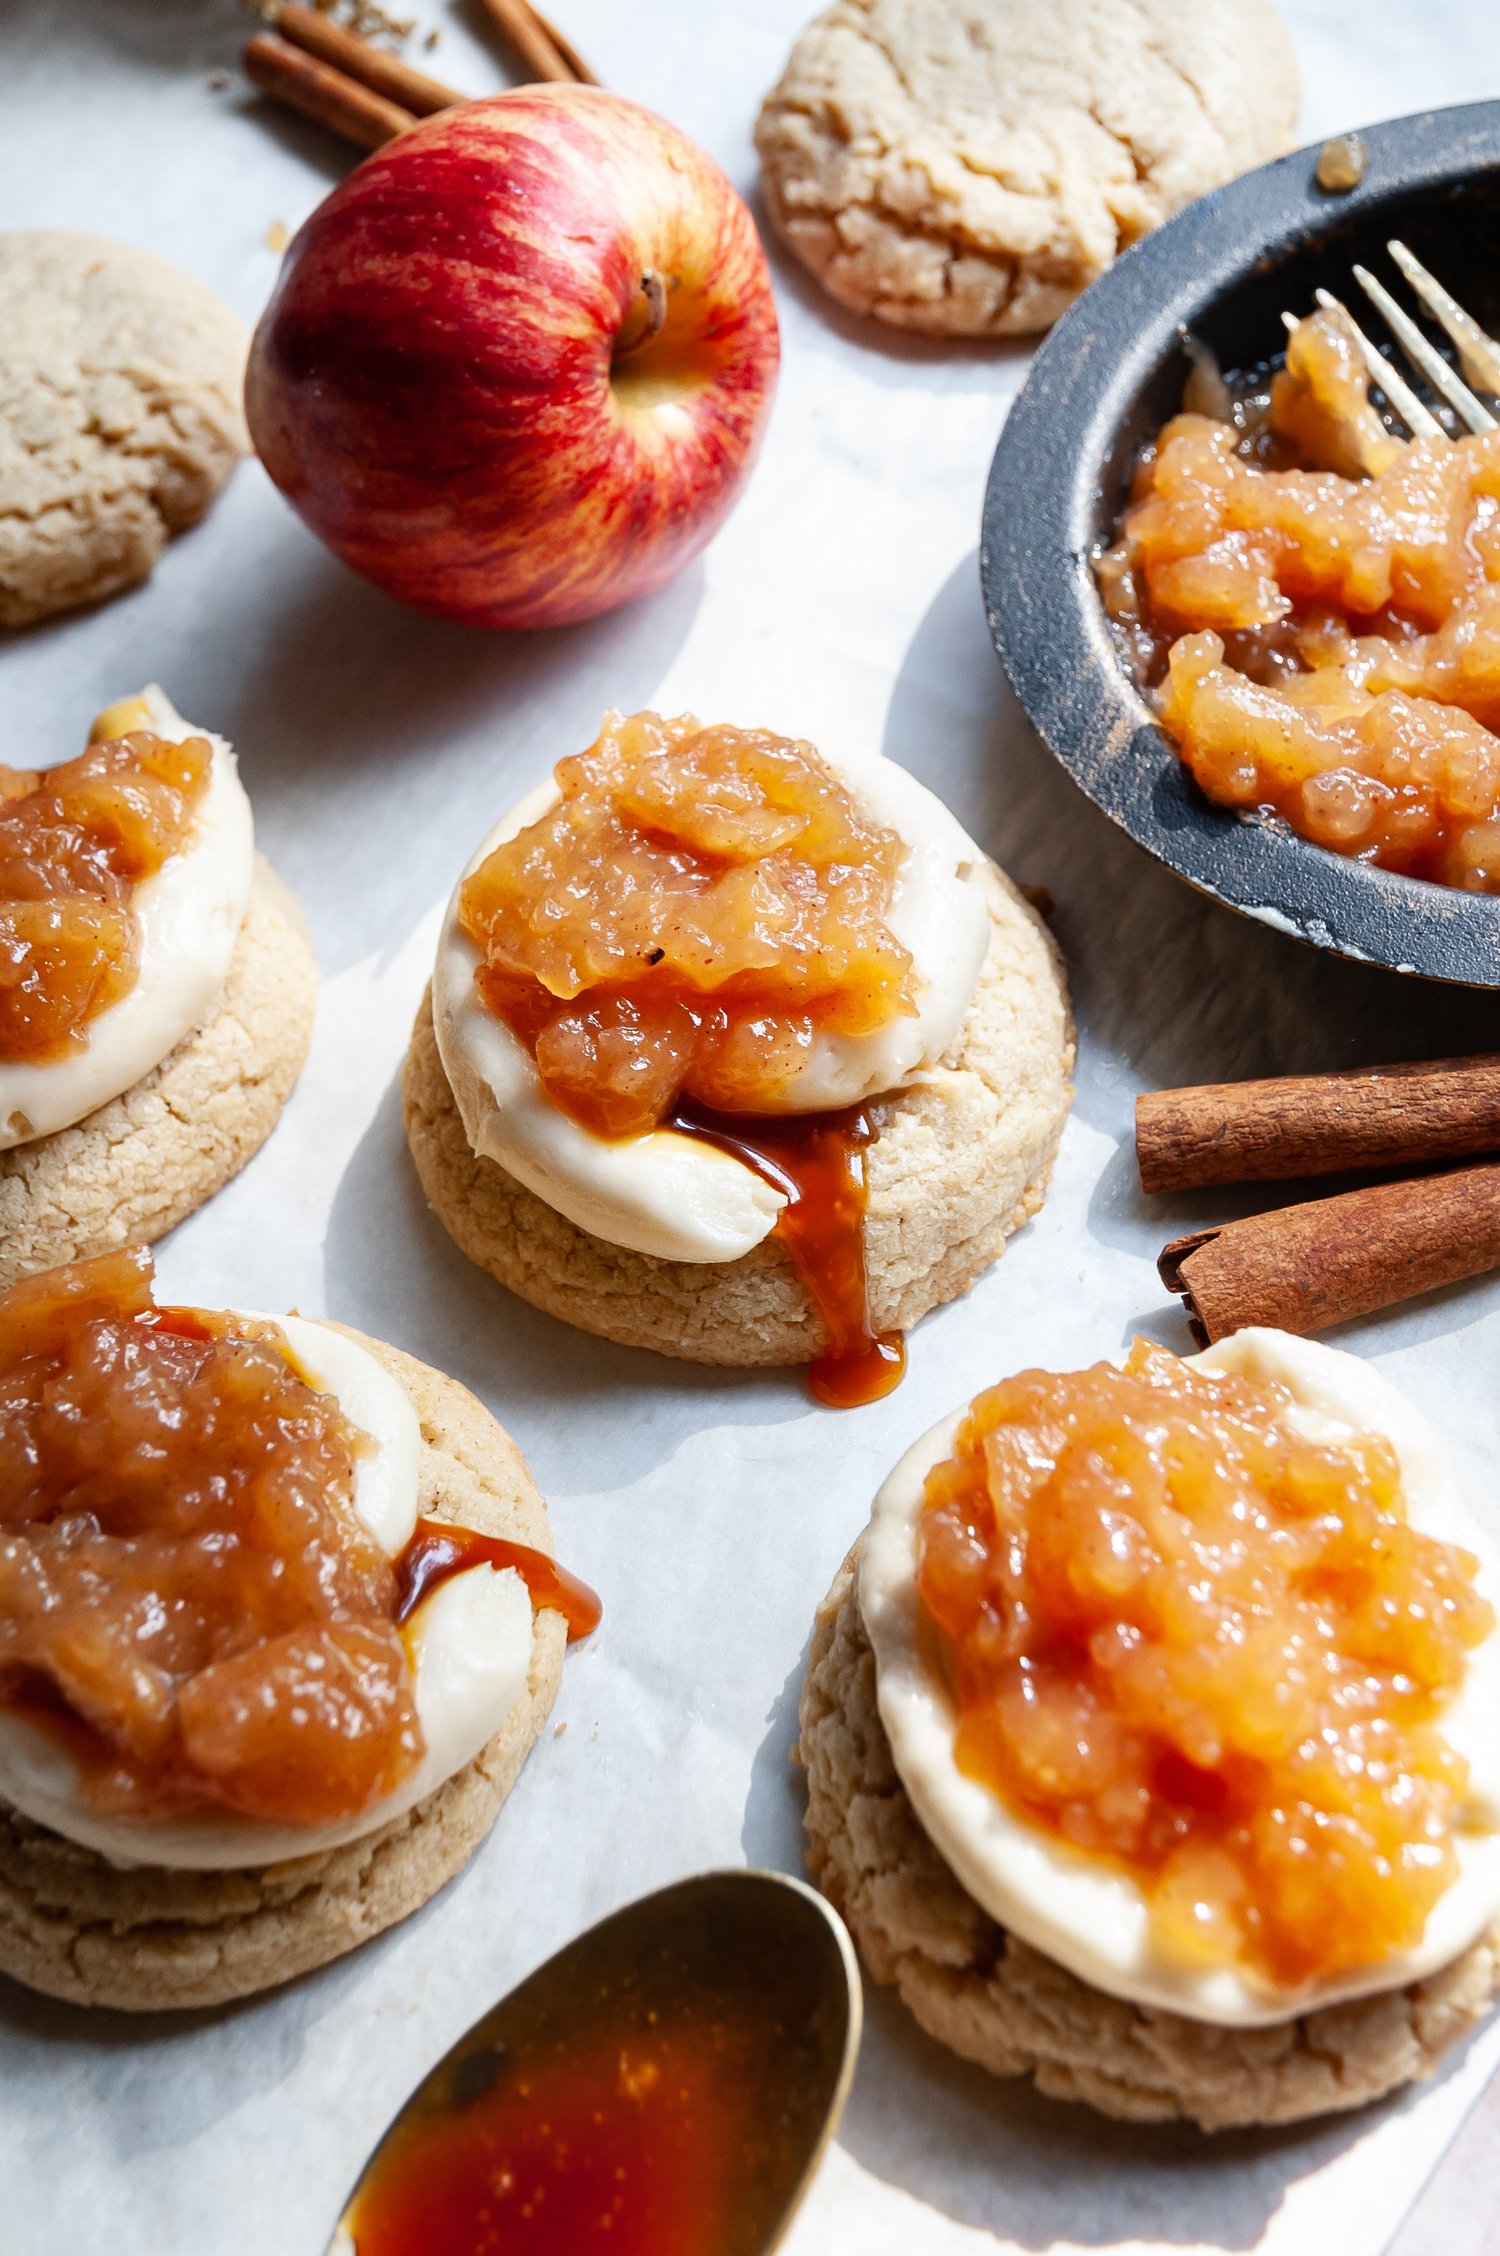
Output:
(1422, 355)
(1478, 353)
(1420, 421)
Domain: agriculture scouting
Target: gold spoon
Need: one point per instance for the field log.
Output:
(664, 2086)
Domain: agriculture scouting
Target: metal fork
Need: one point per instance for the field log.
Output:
(1478, 353)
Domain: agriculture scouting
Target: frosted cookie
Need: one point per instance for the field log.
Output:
(967, 170)
(1081, 1839)
(313, 1737)
(739, 1051)
(165, 998)
(120, 417)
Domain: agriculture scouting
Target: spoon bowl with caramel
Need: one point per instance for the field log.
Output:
(1244, 603)
(664, 2086)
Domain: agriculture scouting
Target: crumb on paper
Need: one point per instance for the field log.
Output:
(367, 18)
(561, 1728)
(217, 81)
(433, 37)
(278, 235)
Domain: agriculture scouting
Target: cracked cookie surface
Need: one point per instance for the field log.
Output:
(145, 1939)
(992, 1998)
(127, 1173)
(120, 415)
(966, 167)
(959, 1162)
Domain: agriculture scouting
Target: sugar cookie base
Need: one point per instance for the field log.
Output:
(966, 169)
(995, 2000)
(146, 1939)
(150, 1157)
(958, 1164)
(120, 415)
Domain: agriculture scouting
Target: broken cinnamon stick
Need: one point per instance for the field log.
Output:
(544, 50)
(1318, 1124)
(322, 93)
(1304, 1268)
(360, 59)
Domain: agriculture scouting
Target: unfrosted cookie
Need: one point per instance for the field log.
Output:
(966, 167)
(120, 415)
(145, 1939)
(128, 1172)
(958, 1164)
(992, 1998)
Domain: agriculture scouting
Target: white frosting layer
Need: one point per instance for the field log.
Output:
(1087, 1916)
(469, 1643)
(190, 914)
(668, 1194)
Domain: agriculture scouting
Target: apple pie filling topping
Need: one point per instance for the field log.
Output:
(184, 1578)
(191, 1602)
(1318, 606)
(75, 842)
(1194, 1639)
(697, 907)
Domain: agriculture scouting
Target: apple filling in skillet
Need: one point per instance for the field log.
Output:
(1315, 606)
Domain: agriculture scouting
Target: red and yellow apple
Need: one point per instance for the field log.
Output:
(517, 364)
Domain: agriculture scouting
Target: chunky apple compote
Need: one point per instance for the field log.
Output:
(1317, 607)
(187, 1592)
(75, 842)
(1189, 1640)
(697, 908)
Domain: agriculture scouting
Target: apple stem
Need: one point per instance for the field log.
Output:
(647, 315)
(654, 291)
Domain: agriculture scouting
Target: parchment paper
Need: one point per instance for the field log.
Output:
(710, 1509)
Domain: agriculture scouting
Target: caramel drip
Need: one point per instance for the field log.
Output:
(436, 1552)
(817, 1162)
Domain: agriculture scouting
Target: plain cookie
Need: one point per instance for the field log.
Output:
(120, 417)
(145, 1939)
(992, 1998)
(958, 1164)
(127, 1173)
(966, 167)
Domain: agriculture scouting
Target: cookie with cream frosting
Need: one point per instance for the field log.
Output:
(116, 1929)
(180, 1082)
(1042, 1960)
(661, 1242)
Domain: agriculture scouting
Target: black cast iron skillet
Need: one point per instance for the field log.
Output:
(1107, 377)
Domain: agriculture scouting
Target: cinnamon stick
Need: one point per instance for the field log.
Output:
(544, 50)
(1318, 1124)
(1306, 1267)
(320, 92)
(360, 59)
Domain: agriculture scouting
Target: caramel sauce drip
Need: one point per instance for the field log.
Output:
(1190, 1641)
(817, 1161)
(75, 842)
(437, 1551)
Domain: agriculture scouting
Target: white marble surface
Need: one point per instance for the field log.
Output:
(710, 1509)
